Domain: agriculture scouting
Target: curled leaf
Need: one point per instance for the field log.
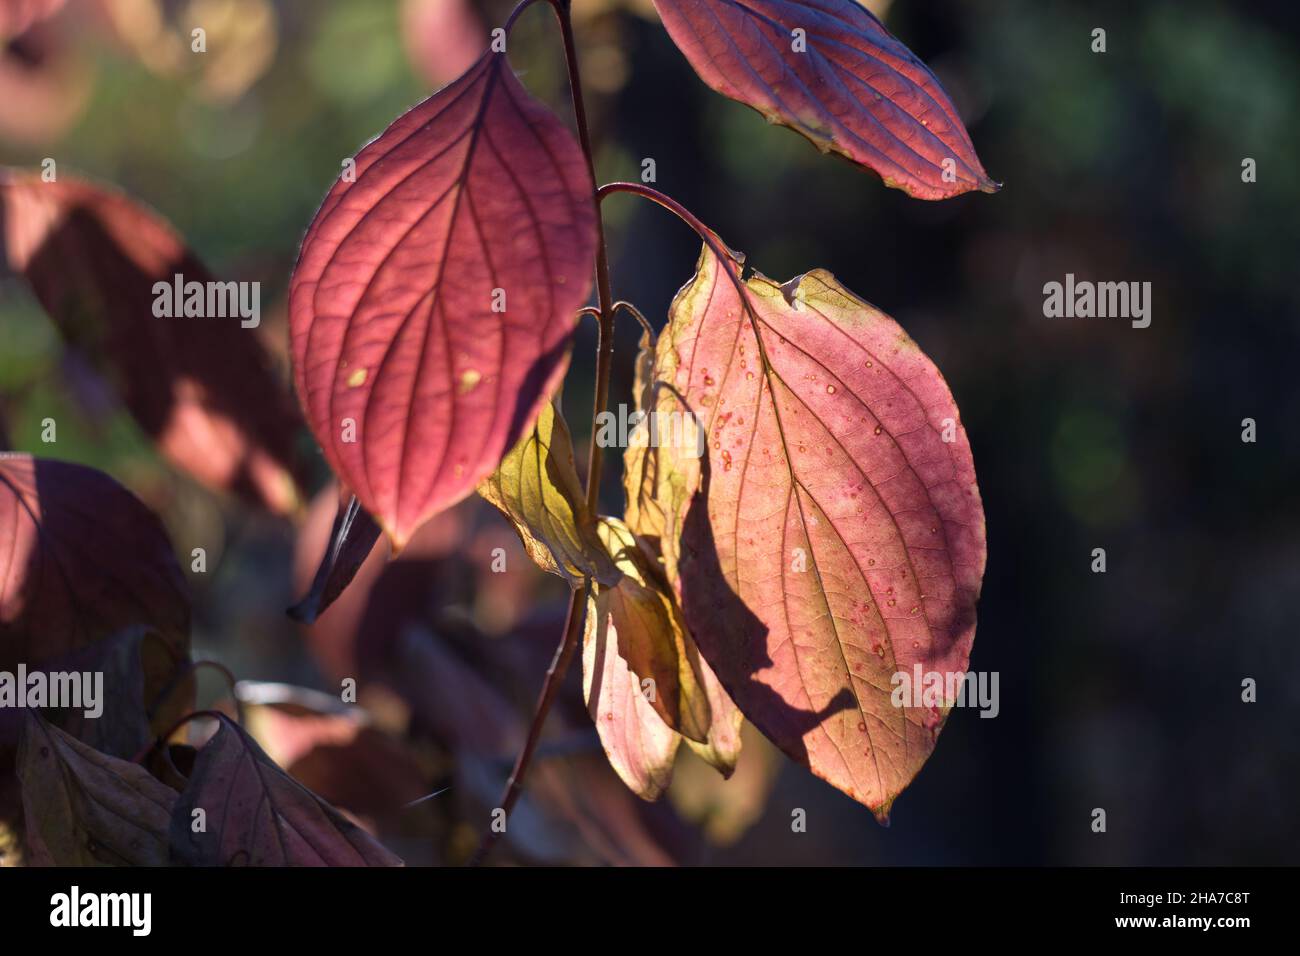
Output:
(833, 536)
(720, 748)
(352, 538)
(536, 486)
(645, 626)
(829, 70)
(201, 386)
(84, 808)
(433, 302)
(644, 511)
(255, 814)
(639, 745)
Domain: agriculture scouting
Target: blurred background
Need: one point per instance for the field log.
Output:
(1119, 690)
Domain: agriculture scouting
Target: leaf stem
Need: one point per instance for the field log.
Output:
(633, 311)
(669, 203)
(550, 686)
(166, 736)
(604, 366)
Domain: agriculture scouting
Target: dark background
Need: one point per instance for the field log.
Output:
(1119, 690)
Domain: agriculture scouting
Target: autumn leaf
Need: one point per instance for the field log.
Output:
(255, 814)
(833, 535)
(643, 674)
(829, 70)
(645, 625)
(721, 746)
(83, 561)
(639, 745)
(726, 807)
(121, 725)
(334, 749)
(434, 299)
(352, 538)
(644, 511)
(202, 388)
(84, 808)
(536, 487)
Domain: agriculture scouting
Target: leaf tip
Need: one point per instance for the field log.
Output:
(397, 539)
(305, 611)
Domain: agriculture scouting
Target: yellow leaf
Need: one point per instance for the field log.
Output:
(657, 488)
(536, 487)
(650, 635)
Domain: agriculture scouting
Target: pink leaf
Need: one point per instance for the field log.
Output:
(844, 82)
(434, 298)
(833, 535)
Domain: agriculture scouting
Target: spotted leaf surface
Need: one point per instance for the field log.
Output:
(833, 536)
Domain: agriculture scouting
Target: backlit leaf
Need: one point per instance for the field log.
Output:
(645, 626)
(434, 298)
(645, 512)
(536, 486)
(257, 815)
(639, 745)
(721, 746)
(202, 387)
(833, 536)
(844, 82)
(82, 560)
(84, 808)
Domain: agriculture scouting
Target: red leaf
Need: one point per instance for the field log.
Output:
(257, 815)
(80, 559)
(854, 89)
(833, 536)
(477, 189)
(202, 388)
(335, 750)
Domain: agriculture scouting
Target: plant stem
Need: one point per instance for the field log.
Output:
(604, 365)
(604, 295)
(669, 203)
(550, 686)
